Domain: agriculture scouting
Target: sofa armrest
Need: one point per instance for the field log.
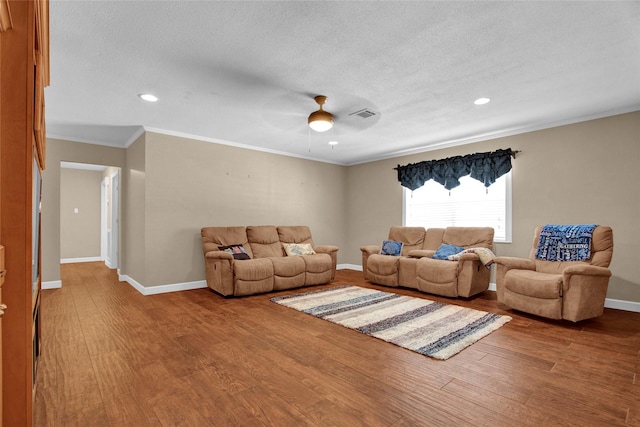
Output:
(332, 251)
(511, 263)
(584, 291)
(325, 249)
(213, 255)
(468, 257)
(506, 263)
(370, 249)
(218, 267)
(421, 253)
(586, 270)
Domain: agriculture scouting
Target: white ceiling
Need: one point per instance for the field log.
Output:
(246, 72)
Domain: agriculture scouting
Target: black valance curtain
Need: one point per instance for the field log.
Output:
(485, 167)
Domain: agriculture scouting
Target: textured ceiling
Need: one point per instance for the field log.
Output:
(246, 72)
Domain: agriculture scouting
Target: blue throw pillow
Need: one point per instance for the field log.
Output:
(389, 247)
(445, 251)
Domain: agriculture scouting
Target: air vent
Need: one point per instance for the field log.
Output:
(364, 113)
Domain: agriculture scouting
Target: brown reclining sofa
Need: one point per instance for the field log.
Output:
(266, 266)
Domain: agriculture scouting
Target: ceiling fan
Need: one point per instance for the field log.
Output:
(347, 114)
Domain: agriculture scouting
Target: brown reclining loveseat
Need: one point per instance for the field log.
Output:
(415, 268)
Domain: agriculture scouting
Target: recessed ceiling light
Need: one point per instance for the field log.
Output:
(333, 142)
(148, 97)
(482, 101)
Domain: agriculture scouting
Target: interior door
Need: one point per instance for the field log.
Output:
(115, 219)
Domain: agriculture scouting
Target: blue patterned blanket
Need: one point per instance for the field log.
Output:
(565, 242)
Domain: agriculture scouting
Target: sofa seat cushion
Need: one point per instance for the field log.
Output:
(317, 263)
(437, 270)
(534, 284)
(437, 276)
(287, 266)
(253, 269)
(289, 272)
(318, 269)
(383, 265)
(383, 269)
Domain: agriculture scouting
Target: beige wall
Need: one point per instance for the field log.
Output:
(192, 184)
(582, 173)
(80, 232)
(171, 187)
(58, 151)
(132, 228)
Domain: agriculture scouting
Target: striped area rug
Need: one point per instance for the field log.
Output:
(431, 328)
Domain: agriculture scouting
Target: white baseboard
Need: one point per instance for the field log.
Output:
(619, 304)
(162, 289)
(53, 284)
(349, 267)
(83, 259)
(199, 284)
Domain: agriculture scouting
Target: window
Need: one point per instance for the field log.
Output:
(468, 205)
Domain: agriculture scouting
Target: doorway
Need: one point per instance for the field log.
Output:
(106, 226)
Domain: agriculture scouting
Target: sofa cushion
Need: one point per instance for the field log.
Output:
(437, 276)
(432, 238)
(411, 237)
(390, 247)
(317, 263)
(288, 266)
(469, 237)
(288, 272)
(264, 241)
(212, 237)
(295, 234)
(293, 249)
(253, 269)
(318, 269)
(437, 270)
(383, 265)
(534, 284)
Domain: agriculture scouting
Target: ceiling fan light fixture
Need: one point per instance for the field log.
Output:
(320, 121)
(148, 97)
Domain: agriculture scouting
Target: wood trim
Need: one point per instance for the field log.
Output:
(5, 16)
(41, 76)
(42, 39)
(21, 139)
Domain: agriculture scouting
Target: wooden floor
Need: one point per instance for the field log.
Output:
(112, 357)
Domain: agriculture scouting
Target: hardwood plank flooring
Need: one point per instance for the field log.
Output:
(112, 357)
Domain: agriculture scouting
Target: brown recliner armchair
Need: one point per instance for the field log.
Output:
(571, 290)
